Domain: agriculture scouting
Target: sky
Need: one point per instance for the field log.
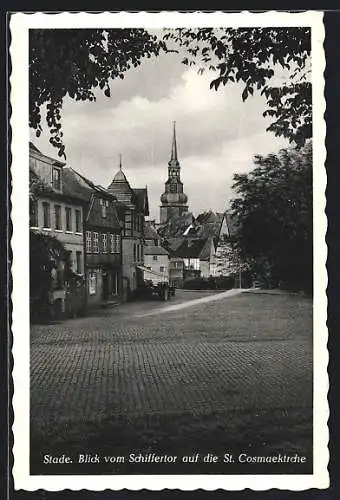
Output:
(217, 133)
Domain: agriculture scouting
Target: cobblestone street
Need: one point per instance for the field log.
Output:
(233, 373)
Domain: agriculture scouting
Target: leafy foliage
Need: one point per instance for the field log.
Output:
(74, 62)
(274, 209)
(250, 55)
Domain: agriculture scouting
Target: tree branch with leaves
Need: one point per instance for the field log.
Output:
(76, 62)
(252, 56)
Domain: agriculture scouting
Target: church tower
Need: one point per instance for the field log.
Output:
(174, 201)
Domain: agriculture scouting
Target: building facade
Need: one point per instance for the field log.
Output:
(173, 200)
(102, 241)
(156, 258)
(133, 208)
(56, 211)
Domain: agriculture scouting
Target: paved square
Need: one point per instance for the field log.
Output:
(238, 367)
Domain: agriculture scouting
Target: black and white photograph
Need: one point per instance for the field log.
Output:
(169, 280)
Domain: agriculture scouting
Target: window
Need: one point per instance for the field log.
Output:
(118, 243)
(78, 262)
(92, 283)
(56, 178)
(78, 222)
(114, 243)
(142, 253)
(69, 258)
(57, 217)
(47, 215)
(95, 242)
(104, 242)
(162, 269)
(173, 188)
(138, 253)
(34, 213)
(155, 257)
(104, 204)
(128, 222)
(88, 241)
(134, 252)
(68, 214)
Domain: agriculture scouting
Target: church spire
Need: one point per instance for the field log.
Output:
(120, 162)
(174, 146)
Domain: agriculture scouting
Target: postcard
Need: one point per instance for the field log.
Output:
(169, 255)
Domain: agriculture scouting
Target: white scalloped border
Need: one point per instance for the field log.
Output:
(19, 25)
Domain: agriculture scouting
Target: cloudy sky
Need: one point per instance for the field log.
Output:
(217, 134)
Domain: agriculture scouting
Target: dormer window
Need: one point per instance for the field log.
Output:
(104, 204)
(56, 178)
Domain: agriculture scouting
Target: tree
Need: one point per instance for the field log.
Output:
(50, 267)
(274, 209)
(251, 56)
(74, 62)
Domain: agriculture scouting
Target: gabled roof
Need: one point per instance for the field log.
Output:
(232, 223)
(196, 248)
(176, 226)
(36, 152)
(142, 201)
(209, 224)
(155, 250)
(75, 182)
(121, 188)
(150, 232)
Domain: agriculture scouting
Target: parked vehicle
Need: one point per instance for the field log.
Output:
(161, 290)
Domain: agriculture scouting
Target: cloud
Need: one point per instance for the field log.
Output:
(217, 133)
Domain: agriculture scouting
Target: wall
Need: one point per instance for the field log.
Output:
(155, 265)
(168, 211)
(129, 264)
(72, 240)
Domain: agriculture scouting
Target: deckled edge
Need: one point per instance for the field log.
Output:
(17, 235)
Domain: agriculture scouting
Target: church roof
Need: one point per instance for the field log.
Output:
(174, 158)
